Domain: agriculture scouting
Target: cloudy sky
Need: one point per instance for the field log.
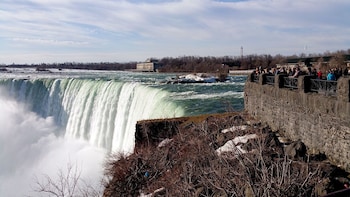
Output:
(37, 31)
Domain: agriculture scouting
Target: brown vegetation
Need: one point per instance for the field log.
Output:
(217, 64)
(186, 163)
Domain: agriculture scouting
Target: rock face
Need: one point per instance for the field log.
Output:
(152, 132)
(320, 121)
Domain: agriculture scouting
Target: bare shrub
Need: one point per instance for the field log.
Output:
(67, 184)
(190, 166)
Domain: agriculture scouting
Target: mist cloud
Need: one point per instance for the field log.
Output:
(29, 148)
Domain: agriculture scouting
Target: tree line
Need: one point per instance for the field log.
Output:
(215, 64)
(77, 65)
(205, 64)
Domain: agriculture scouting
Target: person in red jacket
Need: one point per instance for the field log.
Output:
(319, 74)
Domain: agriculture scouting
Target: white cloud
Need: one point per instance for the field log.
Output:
(187, 25)
(50, 42)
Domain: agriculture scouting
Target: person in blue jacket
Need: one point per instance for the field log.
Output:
(331, 75)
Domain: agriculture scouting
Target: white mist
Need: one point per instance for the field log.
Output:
(29, 148)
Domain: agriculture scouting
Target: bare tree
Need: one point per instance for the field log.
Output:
(337, 61)
(67, 184)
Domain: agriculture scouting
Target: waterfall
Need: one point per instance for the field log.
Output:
(102, 112)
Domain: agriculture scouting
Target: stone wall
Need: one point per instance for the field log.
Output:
(322, 122)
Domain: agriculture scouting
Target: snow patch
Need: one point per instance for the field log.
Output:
(235, 128)
(232, 145)
(164, 142)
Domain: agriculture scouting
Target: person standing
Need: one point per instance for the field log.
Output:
(331, 76)
(319, 74)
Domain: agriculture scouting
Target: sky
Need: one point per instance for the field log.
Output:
(58, 31)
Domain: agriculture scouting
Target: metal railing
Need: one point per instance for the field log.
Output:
(270, 79)
(255, 78)
(323, 86)
(289, 82)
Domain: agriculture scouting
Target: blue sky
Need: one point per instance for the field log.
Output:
(47, 31)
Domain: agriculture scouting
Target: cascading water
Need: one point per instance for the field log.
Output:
(102, 112)
(47, 123)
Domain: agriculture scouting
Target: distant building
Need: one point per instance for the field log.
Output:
(150, 65)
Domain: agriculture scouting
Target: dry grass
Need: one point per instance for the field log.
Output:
(190, 166)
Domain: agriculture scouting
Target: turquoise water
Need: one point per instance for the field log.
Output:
(199, 98)
(210, 98)
(195, 98)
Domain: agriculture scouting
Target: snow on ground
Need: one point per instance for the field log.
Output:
(235, 145)
(235, 128)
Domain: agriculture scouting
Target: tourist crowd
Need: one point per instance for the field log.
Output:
(332, 74)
